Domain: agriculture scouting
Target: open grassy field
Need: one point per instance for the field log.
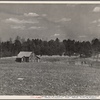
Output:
(51, 76)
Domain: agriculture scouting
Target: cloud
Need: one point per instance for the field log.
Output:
(98, 20)
(95, 21)
(44, 15)
(82, 36)
(15, 20)
(56, 34)
(58, 26)
(18, 27)
(98, 25)
(36, 27)
(31, 14)
(96, 9)
(64, 20)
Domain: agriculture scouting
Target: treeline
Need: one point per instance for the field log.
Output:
(51, 47)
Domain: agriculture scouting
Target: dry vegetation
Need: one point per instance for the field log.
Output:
(51, 76)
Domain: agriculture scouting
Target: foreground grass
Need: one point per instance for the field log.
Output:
(47, 78)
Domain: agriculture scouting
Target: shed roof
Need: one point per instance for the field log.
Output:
(24, 54)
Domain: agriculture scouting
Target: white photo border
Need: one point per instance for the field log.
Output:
(31, 97)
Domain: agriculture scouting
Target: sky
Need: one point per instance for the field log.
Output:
(50, 21)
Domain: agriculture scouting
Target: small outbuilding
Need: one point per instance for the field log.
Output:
(25, 56)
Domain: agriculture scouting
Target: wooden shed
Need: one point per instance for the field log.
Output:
(25, 56)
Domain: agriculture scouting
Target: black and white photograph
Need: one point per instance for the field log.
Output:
(49, 49)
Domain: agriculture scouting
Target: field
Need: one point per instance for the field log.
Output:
(51, 76)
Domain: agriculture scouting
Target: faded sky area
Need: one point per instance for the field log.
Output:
(50, 21)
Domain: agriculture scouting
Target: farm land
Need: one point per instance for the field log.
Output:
(51, 76)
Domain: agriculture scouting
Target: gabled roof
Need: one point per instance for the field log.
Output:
(24, 54)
